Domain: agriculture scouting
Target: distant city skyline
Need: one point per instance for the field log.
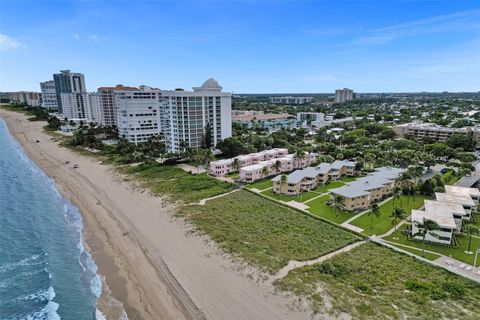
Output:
(249, 47)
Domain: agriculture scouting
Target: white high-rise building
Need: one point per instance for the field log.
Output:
(187, 116)
(342, 95)
(138, 113)
(183, 117)
(82, 106)
(108, 103)
(49, 95)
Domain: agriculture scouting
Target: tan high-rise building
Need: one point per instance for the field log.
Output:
(108, 105)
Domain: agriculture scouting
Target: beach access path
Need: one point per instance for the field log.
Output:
(150, 260)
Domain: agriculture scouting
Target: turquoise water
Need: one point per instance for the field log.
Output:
(44, 271)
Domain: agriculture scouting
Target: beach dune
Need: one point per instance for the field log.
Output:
(149, 261)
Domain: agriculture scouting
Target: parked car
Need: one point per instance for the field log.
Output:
(445, 170)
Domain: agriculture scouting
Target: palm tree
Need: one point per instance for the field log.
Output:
(416, 172)
(397, 192)
(236, 164)
(471, 230)
(397, 215)
(299, 156)
(283, 178)
(375, 211)
(265, 171)
(338, 202)
(277, 165)
(426, 227)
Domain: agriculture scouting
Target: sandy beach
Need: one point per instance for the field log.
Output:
(150, 262)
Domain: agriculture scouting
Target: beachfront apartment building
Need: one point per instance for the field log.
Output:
(68, 82)
(138, 113)
(183, 117)
(448, 210)
(427, 131)
(83, 106)
(361, 193)
(226, 166)
(187, 116)
(29, 98)
(108, 102)
(309, 178)
(49, 95)
(267, 168)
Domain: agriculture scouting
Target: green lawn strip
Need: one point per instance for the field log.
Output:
(319, 208)
(348, 179)
(384, 223)
(284, 197)
(449, 177)
(455, 252)
(264, 233)
(374, 282)
(177, 183)
(260, 185)
(328, 186)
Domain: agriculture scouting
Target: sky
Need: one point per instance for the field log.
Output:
(247, 46)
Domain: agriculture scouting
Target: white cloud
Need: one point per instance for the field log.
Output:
(7, 42)
(94, 38)
(455, 22)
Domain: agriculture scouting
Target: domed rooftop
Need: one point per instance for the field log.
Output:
(211, 85)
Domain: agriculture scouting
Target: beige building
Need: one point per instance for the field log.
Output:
(309, 178)
(361, 193)
(421, 131)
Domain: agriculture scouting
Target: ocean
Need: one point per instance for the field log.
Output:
(45, 273)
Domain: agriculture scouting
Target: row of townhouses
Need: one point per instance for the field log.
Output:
(448, 210)
(309, 178)
(361, 193)
(226, 166)
(268, 168)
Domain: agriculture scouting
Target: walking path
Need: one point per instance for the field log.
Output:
(389, 232)
(294, 264)
(455, 266)
(204, 201)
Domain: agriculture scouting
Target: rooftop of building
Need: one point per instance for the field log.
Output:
(443, 219)
(455, 198)
(118, 87)
(463, 191)
(467, 181)
(444, 207)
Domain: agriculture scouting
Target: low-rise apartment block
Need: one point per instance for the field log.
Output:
(422, 131)
(309, 178)
(449, 210)
(267, 168)
(364, 191)
(226, 166)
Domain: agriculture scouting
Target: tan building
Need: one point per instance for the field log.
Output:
(361, 193)
(309, 178)
(421, 131)
(108, 103)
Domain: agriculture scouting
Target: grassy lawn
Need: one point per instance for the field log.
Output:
(263, 233)
(450, 178)
(320, 208)
(456, 253)
(374, 282)
(384, 223)
(260, 185)
(328, 186)
(177, 183)
(348, 179)
(284, 197)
